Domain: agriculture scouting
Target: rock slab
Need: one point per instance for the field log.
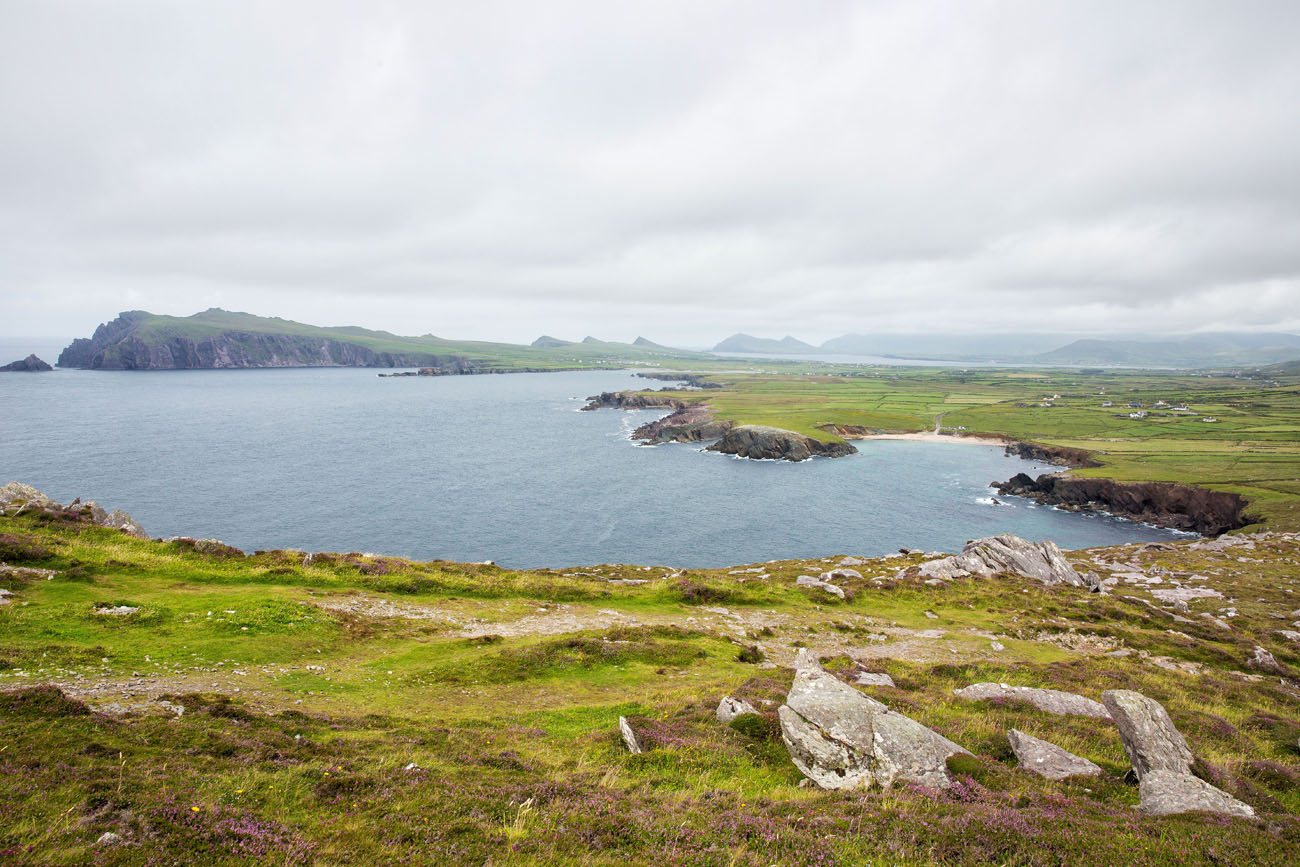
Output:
(1047, 759)
(629, 737)
(1050, 700)
(1167, 793)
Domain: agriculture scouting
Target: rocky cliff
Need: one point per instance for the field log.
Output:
(116, 346)
(771, 443)
(1060, 455)
(1179, 507)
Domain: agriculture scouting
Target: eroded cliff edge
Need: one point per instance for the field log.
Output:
(1164, 504)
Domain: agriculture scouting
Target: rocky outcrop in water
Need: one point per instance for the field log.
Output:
(771, 443)
(842, 739)
(631, 400)
(30, 364)
(1006, 554)
(1164, 504)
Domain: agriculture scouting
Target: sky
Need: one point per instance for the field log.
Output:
(679, 170)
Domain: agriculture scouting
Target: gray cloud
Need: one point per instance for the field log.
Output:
(682, 170)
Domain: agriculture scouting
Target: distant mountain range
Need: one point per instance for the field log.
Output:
(1226, 349)
(215, 338)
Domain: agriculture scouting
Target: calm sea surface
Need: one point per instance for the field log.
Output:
(484, 467)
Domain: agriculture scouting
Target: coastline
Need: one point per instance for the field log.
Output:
(931, 437)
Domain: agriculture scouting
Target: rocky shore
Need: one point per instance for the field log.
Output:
(30, 364)
(1164, 504)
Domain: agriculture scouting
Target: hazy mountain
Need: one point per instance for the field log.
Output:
(1000, 346)
(1197, 350)
(546, 341)
(749, 343)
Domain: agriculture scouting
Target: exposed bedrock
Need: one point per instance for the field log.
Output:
(1165, 504)
(771, 443)
(690, 424)
(631, 400)
(1060, 455)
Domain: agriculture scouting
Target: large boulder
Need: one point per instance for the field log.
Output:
(1149, 736)
(1047, 759)
(842, 739)
(1050, 700)
(1006, 554)
(1163, 761)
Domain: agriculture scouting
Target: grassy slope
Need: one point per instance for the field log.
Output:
(306, 699)
(1253, 448)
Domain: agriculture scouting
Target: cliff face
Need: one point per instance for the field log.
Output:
(1061, 455)
(770, 443)
(1179, 507)
(116, 345)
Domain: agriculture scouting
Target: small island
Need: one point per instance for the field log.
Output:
(30, 364)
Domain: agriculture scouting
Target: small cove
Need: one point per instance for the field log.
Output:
(486, 467)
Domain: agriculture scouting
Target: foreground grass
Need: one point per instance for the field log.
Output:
(345, 709)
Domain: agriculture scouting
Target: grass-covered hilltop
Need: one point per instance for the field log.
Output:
(183, 702)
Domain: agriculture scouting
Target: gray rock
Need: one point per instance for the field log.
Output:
(872, 678)
(810, 581)
(1047, 759)
(840, 574)
(110, 838)
(629, 737)
(1050, 700)
(841, 739)
(1165, 793)
(1264, 661)
(117, 610)
(1006, 554)
(730, 708)
(1150, 738)
(852, 561)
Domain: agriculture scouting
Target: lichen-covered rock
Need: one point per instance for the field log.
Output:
(730, 708)
(873, 678)
(1166, 793)
(1006, 554)
(842, 739)
(1050, 700)
(1150, 738)
(16, 498)
(1262, 660)
(1047, 759)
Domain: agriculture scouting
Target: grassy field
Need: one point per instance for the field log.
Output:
(1252, 447)
(343, 709)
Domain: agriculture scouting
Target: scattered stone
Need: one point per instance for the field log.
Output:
(1289, 635)
(852, 561)
(1050, 700)
(629, 737)
(26, 573)
(996, 555)
(840, 574)
(930, 615)
(411, 767)
(117, 610)
(810, 581)
(1047, 759)
(110, 838)
(730, 708)
(1264, 661)
(841, 739)
(873, 678)
(997, 645)
(1186, 594)
(1166, 793)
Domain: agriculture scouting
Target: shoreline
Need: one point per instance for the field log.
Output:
(930, 437)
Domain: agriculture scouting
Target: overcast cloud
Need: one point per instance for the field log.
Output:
(675, 169)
